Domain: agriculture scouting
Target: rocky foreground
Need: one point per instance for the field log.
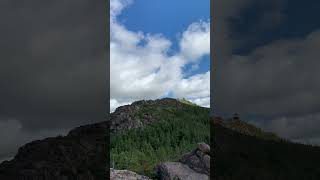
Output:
(191, 166)
(126, 175)
(194, 165)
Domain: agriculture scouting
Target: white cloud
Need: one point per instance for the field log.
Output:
(195, 41)
(196, 88)
(140, 67)
(114, 103)
(116, 6)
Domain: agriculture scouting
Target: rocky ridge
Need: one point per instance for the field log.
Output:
(75, 156)
(246, 155)
(238, 125)
(131, 116)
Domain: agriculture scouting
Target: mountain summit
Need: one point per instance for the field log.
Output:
(147, 133)
(242, 151)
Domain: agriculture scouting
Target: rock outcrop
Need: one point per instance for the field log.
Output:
(77, 156)
(125, 117)
(131, 116)
(191, 166)
(194, 165)
(126, 175)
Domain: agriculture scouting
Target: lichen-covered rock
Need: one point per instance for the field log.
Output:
(198, 159)
(179, 171)
(191, 166)
(126, 175)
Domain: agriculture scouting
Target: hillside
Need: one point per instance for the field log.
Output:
(79, 155)
(245, 128)
(143, 135)
(147, 133)
(242, 154)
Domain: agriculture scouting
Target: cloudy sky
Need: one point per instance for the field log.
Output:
(159, 49)
(266, 65)
(52, 69)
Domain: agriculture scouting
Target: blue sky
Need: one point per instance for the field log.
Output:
(158, 49)
(166, 16)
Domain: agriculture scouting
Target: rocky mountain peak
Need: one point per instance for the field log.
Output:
(136, 115)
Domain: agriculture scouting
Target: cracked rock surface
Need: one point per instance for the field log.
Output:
(125, 175)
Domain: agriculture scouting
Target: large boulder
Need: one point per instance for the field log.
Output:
(125, 175)
(194, 165)
(179, 171)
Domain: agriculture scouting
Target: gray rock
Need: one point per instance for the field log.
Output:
(179, 171)
(203, 147)
(206, 161)
(125, 175)
(125, 117)
(192, 165)
(199, 159)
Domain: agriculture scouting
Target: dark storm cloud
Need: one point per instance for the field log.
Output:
(281, 78)
(273, 76)
(303, 128)
(52, 68)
